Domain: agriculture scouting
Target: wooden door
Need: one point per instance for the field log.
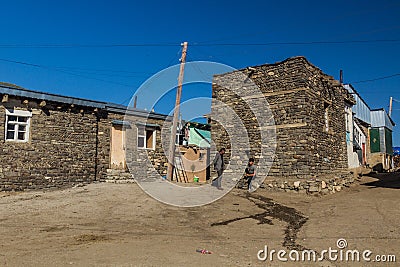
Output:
(118, 147)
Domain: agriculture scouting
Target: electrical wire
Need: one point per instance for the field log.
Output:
(192, 44)
(85, 45)
(299, 43)
(377, 79)
(62, 71)
(170, 63)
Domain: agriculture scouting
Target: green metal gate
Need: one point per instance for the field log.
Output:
(374, 140)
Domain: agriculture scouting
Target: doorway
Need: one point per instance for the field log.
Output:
(118, 160)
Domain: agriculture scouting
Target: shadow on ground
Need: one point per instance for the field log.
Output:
(385, 180)
(294, 219)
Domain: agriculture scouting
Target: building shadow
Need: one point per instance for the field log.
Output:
(385, 180)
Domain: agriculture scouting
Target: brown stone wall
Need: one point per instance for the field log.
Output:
(68, 145)
(61, 149)
(104, 143)
(156, 156)
(296, 92)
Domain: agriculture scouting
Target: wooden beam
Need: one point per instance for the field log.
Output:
(5, 99)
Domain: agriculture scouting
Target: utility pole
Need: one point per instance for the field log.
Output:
(135, 102)
(390, 106)
(171, 160)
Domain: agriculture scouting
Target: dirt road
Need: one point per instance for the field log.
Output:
(119, 225)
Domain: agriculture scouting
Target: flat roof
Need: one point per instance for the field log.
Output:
(14, 90)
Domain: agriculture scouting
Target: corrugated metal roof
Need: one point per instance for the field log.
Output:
(121, 109)
(361, 109)
(21, 92)
(14, 90)
(153, 125)
(200, 138)
(379, 118)
(123, 123)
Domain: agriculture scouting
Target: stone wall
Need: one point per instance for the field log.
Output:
(104, 143)
(298, 94)
(156, 156)
(324, 184)
(67, 146)
(61, 149)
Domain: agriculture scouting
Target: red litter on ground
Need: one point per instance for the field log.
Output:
(203, 251)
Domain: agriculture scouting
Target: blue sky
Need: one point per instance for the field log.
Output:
(81, 67)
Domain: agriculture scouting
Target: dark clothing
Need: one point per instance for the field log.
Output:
(250, 169)
(217, 181)
(250, 173)
(219, 167)
(219, 162)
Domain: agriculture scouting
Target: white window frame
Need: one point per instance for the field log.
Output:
(326, 117)
(18, 113)
(146, 129)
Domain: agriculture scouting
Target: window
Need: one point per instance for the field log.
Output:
(326, 116)
(348, 118)
(17, 125)
(146, 138)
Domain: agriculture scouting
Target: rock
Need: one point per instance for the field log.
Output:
(325, 191)
(337, 188)
(296, 184)
(323, 184)
(313, 188)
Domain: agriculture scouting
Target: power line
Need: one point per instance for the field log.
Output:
(59, 70)
(156, 74)
(376, 79)
(103, 70)
(299, 43)
(193, 44)
(85, 45)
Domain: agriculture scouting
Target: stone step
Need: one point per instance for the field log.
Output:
(118, 176)
(123, 181)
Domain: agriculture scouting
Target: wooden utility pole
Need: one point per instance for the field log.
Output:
(390, 106)
(170, 170)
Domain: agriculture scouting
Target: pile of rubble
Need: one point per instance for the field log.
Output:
(317, 185)
(311, 186)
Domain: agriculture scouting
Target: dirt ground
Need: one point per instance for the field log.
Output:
(119, 225)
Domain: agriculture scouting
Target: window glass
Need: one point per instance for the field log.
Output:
(22, 119)
(11, 126)
(21, 136)
(12, 118)
(140, 141)
(141, 130)
(17, 128)
(10, 135)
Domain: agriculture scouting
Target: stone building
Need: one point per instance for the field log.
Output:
(377, 126)
(308, 108)
(53, 141)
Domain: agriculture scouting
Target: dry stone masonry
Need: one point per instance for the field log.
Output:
(308, 108)
(69, 140)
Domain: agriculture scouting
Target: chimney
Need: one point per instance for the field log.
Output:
(341, 76)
